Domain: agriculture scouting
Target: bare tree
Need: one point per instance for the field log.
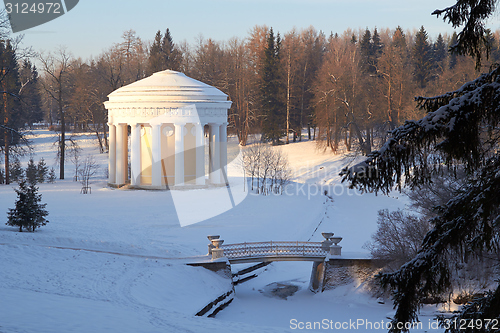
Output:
(312, 49)
(340, 94)
(251, 162)
(280, 172)
(88, 169)
(395, 82)
(87, 100)
(242, 115)
(398, 237)
(57, 68)
(444, 187)
(267, 167)
(209, 63)
(75, 153)
(133, 57)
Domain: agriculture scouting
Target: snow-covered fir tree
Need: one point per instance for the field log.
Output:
(460, 129)
(31, 171)
(29, 213)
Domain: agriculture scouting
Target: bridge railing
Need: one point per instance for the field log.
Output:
(273, 248)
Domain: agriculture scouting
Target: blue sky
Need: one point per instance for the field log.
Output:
(94, 25)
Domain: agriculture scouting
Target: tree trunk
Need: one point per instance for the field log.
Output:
(336, 135)
(349, 138)
(6, 131)
(105, 137)
(368, 144)
(288, 100)
(99, 139)
(62, 143)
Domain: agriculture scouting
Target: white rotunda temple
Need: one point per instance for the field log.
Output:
(170, 118)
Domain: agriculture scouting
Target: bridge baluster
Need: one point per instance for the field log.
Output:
(274, 249)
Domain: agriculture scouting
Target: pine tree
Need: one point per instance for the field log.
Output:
(155, 63)
(52, 176)
(354, 39)
(29, 213)
(41, 171)
(163, 54)
(30, 96)
(365, 47)
(273, 108)
(439, 51)
(371, 49)
(399, 39)
(495, 48)
(16, 172)
(453, 53)
(422, 58)
(171, 56)
(377, 47)
(31, 172)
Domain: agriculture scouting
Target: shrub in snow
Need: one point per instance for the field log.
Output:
(398, 237)
(29, 213)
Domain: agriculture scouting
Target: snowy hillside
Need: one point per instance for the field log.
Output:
(114, 260)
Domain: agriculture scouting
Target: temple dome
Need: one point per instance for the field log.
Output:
(167, 86)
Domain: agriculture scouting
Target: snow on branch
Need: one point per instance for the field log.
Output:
(472, 39)
(19, 134)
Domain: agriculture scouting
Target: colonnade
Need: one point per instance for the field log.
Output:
(163, 154)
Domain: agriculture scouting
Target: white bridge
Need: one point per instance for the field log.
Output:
(274, 251)
(322, 254)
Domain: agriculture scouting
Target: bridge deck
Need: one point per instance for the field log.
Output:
(243, 260)
(274, 251)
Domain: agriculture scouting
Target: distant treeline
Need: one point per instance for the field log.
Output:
(347, 89)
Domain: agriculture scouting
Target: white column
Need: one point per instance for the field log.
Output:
(179, 154)
(200, 154)
(135, 155)
(112, 154)
(121, 154)
(223, 151)
(156, 155)
(215, 154)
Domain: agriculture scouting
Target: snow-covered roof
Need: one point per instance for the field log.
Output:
(167, 97)
(169, 86)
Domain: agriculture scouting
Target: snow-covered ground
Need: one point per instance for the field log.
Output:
(114, 260)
